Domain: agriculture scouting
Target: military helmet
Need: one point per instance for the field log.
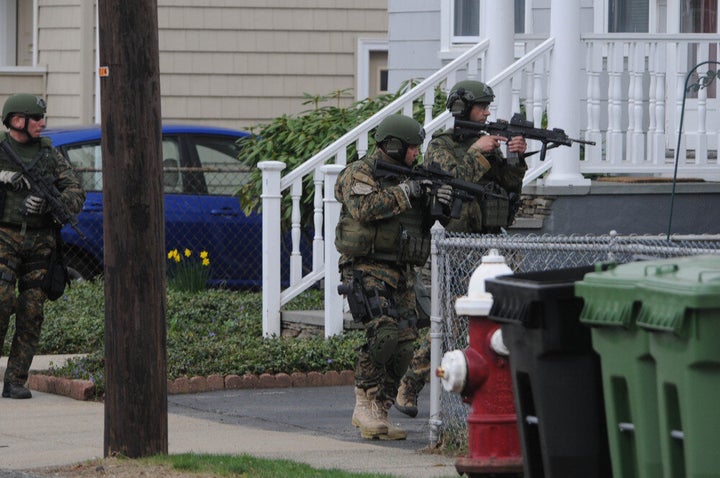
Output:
(401, 127)
(465, 94)
(23, 103)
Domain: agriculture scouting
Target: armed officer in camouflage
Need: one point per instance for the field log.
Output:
(27, 232)
(382, 235)
(474, 157)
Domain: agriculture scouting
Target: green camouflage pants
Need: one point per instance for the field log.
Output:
(384, 357)
(23, 260)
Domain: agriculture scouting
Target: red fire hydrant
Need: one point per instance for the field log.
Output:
(481, 375)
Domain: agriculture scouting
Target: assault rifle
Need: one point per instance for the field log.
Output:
(462, 190)
(44, 188)
(519, 126)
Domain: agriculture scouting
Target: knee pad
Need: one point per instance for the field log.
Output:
(383, 344)
(401, 360)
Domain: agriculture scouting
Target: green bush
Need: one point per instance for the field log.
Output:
(210, 332)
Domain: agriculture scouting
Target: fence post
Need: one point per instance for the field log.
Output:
(271, 237)
(333, 300)
(436, 333)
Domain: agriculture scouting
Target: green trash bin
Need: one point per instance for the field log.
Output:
(611, 306)
(681, 310)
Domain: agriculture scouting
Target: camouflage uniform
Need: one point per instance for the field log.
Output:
(453, 154)
(367, 200)
(26, 243)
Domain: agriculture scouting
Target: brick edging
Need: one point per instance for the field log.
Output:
(85, 389)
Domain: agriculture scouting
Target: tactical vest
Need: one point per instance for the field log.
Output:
(402, 239)
(495, 209)
(12, 201)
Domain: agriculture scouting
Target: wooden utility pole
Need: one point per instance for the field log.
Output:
(134, 233)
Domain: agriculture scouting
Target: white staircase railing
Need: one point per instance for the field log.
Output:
(274, 185)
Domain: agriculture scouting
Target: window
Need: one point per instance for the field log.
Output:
(698, 16)
(16, 33)
(466, 20)
(86, 159)
(628, 16)
(383, 88)
(224, 174)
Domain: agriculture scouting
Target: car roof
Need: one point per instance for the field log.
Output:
(74, 134)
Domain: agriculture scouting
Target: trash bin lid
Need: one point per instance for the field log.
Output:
(610, 294)
(676, 285)
(516, 297)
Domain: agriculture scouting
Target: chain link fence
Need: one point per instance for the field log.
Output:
(202, 214)
(460, 254)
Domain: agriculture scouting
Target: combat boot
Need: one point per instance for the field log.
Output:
(393, 432)
(406, 400)
(368, 414)
(12, 390)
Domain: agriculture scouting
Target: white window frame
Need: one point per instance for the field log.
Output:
(450, 44)
(8, 36)
(364, 48)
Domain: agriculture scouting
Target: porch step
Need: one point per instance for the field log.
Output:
(310, 322)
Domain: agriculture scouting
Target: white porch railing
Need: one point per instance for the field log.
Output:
(634, 97)
(633, 101)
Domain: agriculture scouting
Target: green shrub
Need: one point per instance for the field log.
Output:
(209, 332)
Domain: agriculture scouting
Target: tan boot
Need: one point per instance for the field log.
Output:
(394, 432)
(368, 415)
(406, 400)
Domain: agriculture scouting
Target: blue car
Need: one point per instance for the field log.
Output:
(202, 210)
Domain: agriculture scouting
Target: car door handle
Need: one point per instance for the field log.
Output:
(226, 211)
(92, 207)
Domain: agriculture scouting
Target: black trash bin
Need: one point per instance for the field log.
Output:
(555, 372)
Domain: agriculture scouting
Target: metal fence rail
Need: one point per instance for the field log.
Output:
(458, 255)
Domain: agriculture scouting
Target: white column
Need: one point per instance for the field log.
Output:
(499, 27)
(271, 237)
(565, 91)
(333, 300)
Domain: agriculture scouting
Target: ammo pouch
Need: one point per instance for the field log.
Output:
(495, 209)
(57, 277)
(352, 238)
(412, 249)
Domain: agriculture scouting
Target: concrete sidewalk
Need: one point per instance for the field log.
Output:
(308, 425)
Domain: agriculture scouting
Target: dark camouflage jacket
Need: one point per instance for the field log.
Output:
(46, 162)
(455, 156)
(376, 217)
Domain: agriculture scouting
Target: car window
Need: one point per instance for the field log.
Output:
(86, 158)
(224, 174)
(218, 173)
(172, 177)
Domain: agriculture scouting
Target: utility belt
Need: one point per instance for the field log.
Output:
(14, 269)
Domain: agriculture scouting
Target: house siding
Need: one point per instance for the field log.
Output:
(234, 63)
(413, 40)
